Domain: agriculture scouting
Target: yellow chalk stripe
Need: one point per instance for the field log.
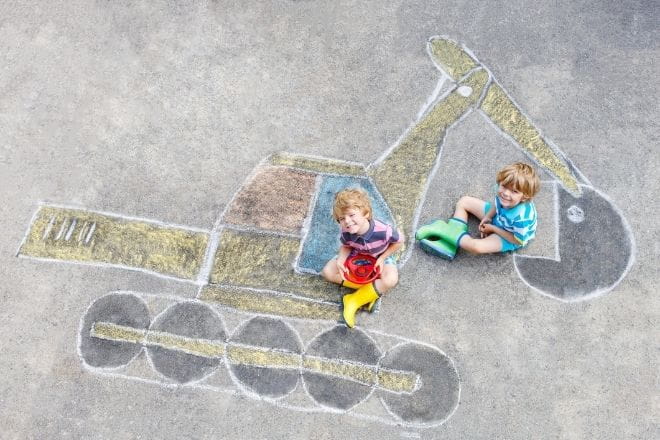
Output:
(402, 176)
(360, 373)
(389, 380)
(264, 261)
(263, 302)
(453, 60)
(398, 381)
(506, 115)
(115, 332)
(318, 165)
(195, 346)
(85, 236)
(262, 357)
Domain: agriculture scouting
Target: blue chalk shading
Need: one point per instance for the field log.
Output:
(322, 241)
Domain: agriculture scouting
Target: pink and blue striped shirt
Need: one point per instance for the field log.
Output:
(373, 242)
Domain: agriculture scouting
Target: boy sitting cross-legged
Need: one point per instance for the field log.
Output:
(506, 225)
(360, 233)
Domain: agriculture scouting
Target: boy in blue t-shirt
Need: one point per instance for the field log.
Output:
(505, 226)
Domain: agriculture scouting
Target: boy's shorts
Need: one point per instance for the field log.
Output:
(507, 246)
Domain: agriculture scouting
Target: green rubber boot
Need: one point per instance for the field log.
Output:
(439, 248)
(431, 231)
(450, 231)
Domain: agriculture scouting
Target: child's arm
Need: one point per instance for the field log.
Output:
(392, 248)
(342, 255)
(489, 228)
(487, 218)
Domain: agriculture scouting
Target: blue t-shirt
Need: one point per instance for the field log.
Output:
(519, 220)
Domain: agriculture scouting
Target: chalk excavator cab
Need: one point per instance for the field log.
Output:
(257, 266)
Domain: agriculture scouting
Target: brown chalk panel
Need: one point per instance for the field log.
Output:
(276, 199)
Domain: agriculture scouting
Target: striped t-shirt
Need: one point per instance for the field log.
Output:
(519, 220)
(373, 242)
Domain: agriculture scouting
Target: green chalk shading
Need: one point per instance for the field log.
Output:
(85, 236)
(506, 115)
(265, 261)
(270, 304)
(453, 60)
(402, 177)
(319, 165)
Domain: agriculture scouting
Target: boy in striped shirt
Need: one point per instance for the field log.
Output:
(506, 225)
(360, 233)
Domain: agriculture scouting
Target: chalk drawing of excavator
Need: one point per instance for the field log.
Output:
(258, 266)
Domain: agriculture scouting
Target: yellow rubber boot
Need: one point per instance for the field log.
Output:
(351, 285)
(356, 286)
(353, 301)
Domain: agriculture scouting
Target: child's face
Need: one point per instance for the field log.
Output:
(509, 197)
(354, 221)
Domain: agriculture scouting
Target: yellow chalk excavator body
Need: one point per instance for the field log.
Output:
(260, 267)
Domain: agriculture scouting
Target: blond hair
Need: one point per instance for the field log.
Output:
(355, 198)
(520, 177)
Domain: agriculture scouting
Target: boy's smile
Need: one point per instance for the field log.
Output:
(509, 197)
(354, 221)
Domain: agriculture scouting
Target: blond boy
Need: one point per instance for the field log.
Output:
(506, 225)
(361, 233)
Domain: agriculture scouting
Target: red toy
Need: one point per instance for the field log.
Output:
(361, 269)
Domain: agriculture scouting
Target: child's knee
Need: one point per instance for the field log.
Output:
(329, 270)
(482, 246)
(390, 278)
(463, 201)
(471, 245)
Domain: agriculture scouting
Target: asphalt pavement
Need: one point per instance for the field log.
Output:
(164, 166)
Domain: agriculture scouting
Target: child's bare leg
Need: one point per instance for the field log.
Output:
(488, 245)
(331, 273)
(389, 277)
(469, 205)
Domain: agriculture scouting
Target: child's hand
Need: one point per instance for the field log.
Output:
(378, 265)
(341, 266)
(486, 228)
(482, 226)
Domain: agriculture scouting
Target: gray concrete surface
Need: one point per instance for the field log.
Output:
(159, 110)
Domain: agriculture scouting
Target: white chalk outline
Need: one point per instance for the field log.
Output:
(453, 365)
(81, 327)
(214, 233)
(593, 294)
(245, 388)
(307, 226)
(372, 387)
(273, 292)
(46, 204)
(166, 382)
(221, 360)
